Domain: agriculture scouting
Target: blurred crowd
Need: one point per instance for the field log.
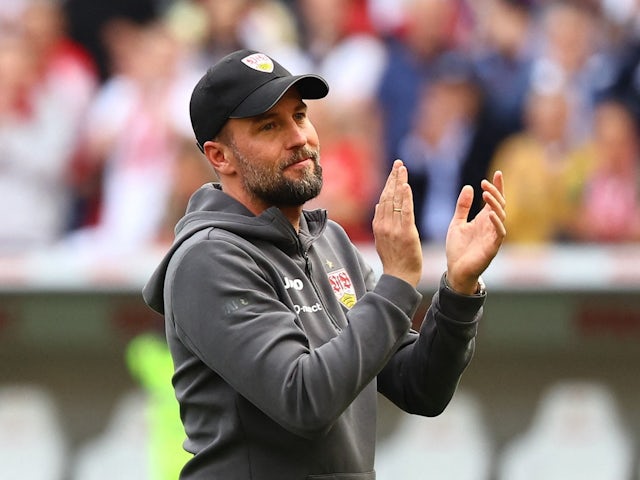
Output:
(97, 153)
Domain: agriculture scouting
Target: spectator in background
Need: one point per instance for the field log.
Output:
(63, 65)
(71, 71)
(428, 31)
(46, 82)
(271, 25)
(450, 144)
(87, 19)
(214, 28)
(222, 32)
(625, 85)
(606, 186)
(340, 46)
(534, 161)
(503, 58)
(570, 52)
(387, 16)
(134, 132)
(210, 29)
(332, 33)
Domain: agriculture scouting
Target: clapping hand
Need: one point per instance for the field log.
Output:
(394, 228)
(471, 245)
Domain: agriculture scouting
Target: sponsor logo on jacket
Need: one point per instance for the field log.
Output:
(316, 307)
(295, 283)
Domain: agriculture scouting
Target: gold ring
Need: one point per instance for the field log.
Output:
(397, 210)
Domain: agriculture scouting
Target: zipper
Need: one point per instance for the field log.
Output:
(308, 271)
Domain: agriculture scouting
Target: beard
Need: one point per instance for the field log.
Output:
(269, 183)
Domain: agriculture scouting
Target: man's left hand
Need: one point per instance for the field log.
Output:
(471, 245)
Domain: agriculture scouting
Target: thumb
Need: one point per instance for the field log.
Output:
(463, 205)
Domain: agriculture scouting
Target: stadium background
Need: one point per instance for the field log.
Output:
(558, 314)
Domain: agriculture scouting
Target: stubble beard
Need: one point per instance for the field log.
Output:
(270, 184)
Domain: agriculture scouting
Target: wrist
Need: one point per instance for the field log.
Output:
(411, 278)
(473, 286)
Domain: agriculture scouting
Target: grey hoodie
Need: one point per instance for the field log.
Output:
(280, 341)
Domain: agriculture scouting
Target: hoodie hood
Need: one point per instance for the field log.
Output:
(209, 207)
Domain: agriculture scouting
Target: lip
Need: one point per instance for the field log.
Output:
(302, 162)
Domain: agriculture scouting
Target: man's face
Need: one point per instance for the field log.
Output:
(277, 153)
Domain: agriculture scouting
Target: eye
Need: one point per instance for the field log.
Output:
(300, 116)
(267, 126)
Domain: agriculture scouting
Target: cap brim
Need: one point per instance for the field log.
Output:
(266, 96)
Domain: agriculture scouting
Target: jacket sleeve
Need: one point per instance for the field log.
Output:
(422, 376)
(227, 312)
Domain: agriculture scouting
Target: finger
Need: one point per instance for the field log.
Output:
(390, 185)
(402, 177)
(498, 224)
(399, 191)
(385, 204)
(487, 186)
(400, 173)
(498, 181)
(408, 215)
(495, 205)
(463, 205)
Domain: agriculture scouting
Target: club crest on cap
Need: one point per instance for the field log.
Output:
(259, 62)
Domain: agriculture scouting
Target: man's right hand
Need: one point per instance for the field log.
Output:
(394, 228)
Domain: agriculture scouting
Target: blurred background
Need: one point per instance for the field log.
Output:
(97, 162)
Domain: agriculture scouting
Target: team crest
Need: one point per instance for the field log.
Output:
(343, 287)
(259, 62)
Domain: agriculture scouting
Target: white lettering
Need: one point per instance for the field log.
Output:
(307, 308)
(296, 283)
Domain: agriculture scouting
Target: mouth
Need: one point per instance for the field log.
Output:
(302, 162)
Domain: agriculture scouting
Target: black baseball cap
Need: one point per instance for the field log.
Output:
(244, 84)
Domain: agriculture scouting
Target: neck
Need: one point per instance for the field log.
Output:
(293, 214)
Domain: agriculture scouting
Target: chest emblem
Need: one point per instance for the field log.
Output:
(343, 287)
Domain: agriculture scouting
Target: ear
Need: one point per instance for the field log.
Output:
(219, 156)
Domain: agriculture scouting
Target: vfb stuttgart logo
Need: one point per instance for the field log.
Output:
(343, 287)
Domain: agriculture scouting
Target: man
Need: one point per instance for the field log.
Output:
(279, 332)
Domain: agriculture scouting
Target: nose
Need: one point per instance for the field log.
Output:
(296, 136)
